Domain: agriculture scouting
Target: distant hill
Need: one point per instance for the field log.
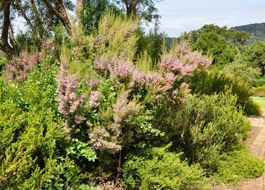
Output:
(256, 31)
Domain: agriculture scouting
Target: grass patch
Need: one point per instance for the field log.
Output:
(260, 100)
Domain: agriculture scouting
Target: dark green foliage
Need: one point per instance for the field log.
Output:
(209, 126)
(254, 55)
(219, 42)
(26, 41)
(212, 82)
(3, 61)
(152, 44)
(92, 12)
(254, 29)
(260, 81)
(230, 35)
(158, 168)
(215, 45)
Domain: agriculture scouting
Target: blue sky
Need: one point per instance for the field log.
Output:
(178, 16)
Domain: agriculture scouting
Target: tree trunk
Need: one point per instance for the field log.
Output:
(12, 37)
(60, 11)
(131, 7)
(39, 22)
(4, 45)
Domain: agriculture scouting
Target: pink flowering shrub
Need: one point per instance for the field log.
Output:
(126, 104)
(124, 107)
(69, 103)
(165, 90)
(20, 67)
(183, 61)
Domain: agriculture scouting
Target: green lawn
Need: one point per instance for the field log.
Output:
(260, 100)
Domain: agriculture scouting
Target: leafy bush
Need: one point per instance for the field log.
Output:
(234, 166)
(253, 108)
(212, 82)
(160, 169)
(208, 126)
(246, 72)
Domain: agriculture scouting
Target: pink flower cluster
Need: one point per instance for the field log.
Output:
(101, 139)
(184, 61)
(122, 110)
(158, 83)
(94, 100)
(172, 68)
(168, 83)
(20, 67)
(121, 69)
(93, 82)
(68, 101)
(170, 64)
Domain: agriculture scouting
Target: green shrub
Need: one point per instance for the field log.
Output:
(209, 126)
(238, 164)
(160, 169)
(32, 136)
(29, 150)
(212, 82)
(246, 72)
(253, 108)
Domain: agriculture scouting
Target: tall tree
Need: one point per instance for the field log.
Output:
(4, 41)
(144, 8)
(231, 35)
(92, 12)
(254, 55)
